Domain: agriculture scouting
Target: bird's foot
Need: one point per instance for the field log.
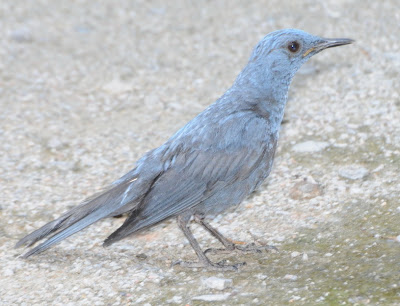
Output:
(219, 266)
(248, 248)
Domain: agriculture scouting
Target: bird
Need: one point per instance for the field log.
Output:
(209, 165)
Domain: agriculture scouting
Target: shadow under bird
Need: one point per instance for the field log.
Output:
(211, 164)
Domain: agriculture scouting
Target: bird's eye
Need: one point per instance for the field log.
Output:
(293, 46)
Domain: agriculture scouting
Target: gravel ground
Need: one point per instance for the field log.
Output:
(86, 87)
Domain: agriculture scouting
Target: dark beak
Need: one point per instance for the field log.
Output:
(325, 43)
(333, 42)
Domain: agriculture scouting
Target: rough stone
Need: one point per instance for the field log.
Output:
(217, 283)
(290, 277)
(212, 297)
(305, 189)
(310, 146)
(353, 172)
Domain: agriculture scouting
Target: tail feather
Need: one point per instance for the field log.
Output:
(86, 221)
(132, 223)
(107, 203)
(62, 222)
(41, 233)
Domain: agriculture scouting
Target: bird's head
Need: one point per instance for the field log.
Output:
(283, 52)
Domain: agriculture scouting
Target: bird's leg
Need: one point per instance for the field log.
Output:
(204, 262)
(227, 243)
(230, 245)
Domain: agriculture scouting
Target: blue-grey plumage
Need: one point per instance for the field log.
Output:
(211, 164)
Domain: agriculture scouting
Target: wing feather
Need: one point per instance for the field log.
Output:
(182, 187)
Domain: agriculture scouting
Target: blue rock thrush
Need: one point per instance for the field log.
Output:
(211, 164)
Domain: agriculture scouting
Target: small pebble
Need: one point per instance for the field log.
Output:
(176, 299)
(294, 298)
(295, 254)
(141, 256)
(353, 172)
(55, 143)
(217, 283)
(305, 189)
(290, 277)
(212, 297)
(379, 168)
(310, 146)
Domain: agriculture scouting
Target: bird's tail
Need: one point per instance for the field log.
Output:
(107, 203)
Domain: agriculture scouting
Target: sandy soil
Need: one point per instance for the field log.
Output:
(87, 87)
